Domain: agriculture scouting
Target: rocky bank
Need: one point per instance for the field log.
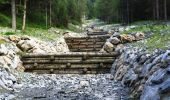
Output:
(146, 74)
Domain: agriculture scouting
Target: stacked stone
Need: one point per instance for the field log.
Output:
(31, 45)
(9, 62)
(147, 75)
(116, 40)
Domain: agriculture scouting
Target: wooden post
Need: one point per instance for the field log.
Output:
(68, 65)
(101, 65)
(51, 71)
(85, 70)
(52, 58)
(35, 65)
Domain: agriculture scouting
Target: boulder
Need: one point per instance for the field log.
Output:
(150, 93)
(67, 34)
(108, 47)
(84, 83)
(139, 35)
(158, 76)
(166, 57)
(127, 38)
(121, 71)
(165, 87)
(114, 40)
(14, 38)
(26, 47)
(37, 50)
(119, 48)
(116, 34)
(3, 50)
(129, 77)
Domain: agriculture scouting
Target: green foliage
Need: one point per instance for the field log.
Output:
(4, 20)
(62, 13)
(9, 33)
(40, 33)
(74, 28)
(90, 9)
(68, 11)
(2, 41)
(3, 1)
(107, 10)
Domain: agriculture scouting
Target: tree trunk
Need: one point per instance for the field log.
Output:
(157, 9)
(128, 13)
(165, 10)
(46, 15)
(50, 13)
(153, 10)
(13, 9)
(24, 15)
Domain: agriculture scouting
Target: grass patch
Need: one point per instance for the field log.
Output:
(75, 28)
(40, 33)
(9, 33)
(160, 39)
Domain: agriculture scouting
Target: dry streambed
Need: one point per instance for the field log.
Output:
(70, 87)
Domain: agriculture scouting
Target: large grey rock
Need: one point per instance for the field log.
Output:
(165, 87)
(150, 93)
(3, 50)
(129, 77)
(109, 47)
(166, 57)
(158, 76)
(114, 40)
(119, 48)
(84, 83)
(146, 69)
(139, 35)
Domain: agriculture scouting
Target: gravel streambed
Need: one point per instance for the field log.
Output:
(70, 87)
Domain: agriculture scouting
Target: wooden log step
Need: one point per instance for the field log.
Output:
(67, 61)
(85, 50)
(89, 37)
(73, 54)
(97, 33)
(70, 71)
(69, 58)
(62, 66)
(86, 46)
(86, 43)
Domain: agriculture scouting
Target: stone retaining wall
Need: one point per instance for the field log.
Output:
(147, 75)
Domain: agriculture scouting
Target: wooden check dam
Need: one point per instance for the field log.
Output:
(84, 57)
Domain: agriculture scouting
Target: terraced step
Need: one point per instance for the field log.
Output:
(97, 33)
(70, 63)
(86, 44)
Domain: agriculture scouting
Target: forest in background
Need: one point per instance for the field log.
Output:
(127, 11)
(59, 13)
(44, 13)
